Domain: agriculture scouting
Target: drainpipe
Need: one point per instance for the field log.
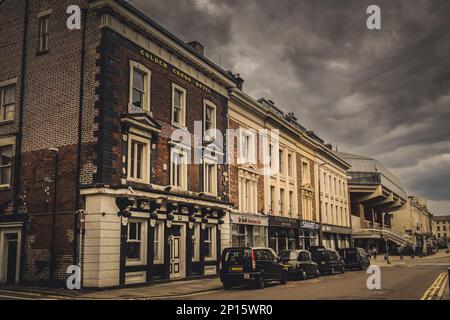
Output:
(77, 237)
(17, 160)
(53, 244)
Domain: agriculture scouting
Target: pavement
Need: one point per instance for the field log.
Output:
(419, 278)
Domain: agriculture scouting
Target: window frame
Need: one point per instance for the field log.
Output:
(44, 36)
(212, 241)
(207, 163)
(145, 161)
(158, 242)
(183, 166)
(206, 105)
(147, 73)
(3, 105)
(182, 107)
(143, 242)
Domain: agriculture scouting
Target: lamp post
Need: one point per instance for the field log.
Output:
(52, 268)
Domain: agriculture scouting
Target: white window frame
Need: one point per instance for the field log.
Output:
(158, 242)
(143, 241)
(213, 242)
(182, 107)
(44, 38)
(196, 252)
(212, 131)
(145, 161)
(3, 86)
(4, 143)
(183, 167)
(306, 174)
(146, 103)
(207, 163)
(247, 156)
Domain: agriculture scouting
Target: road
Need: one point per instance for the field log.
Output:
(403, 280)
(408, 280)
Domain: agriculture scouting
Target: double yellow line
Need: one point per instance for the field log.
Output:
(432, 291)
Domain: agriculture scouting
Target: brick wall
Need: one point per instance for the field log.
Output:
(114, 95)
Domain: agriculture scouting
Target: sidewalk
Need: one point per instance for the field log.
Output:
(154, 291)
(395, 260)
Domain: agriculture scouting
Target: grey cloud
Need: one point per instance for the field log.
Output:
(385, 94)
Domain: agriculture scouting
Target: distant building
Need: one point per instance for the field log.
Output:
(441, 227)
(413, 221)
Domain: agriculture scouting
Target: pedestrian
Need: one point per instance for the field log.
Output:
(374, 253)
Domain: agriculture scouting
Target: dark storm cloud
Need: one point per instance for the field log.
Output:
(379, 93)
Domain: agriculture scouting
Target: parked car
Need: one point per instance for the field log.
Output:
(355, 258)
(299, 263)
(328, 260)
(251, 266)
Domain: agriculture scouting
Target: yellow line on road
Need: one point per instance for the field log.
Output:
(430, 293)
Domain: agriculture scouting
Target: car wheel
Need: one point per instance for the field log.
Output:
(227, 285)
(332, 271)
(304, 275)
(317, 273)
(343, 269)
(261, 282)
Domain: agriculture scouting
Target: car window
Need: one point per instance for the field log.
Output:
(237, 256)
(259, 254)
(270, 256)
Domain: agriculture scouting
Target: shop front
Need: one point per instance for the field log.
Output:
(283, 233)
(335, 237)
(308, 234)
(248, 230)
(153, 240)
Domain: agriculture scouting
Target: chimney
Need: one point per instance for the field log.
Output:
(198, 47)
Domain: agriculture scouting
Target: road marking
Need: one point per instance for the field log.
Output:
(437, 284)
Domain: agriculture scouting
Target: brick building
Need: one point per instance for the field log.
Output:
(90, 122)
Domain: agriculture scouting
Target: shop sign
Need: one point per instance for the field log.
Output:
(309, 225)
(249, 219)
(336, 229)
(275, 221)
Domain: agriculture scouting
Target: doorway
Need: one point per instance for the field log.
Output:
(10, 256)
(177, 250)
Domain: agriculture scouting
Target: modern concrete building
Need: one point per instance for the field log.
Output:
(375, 194)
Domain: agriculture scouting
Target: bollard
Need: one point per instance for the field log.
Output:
(401, 257)
(412, 256)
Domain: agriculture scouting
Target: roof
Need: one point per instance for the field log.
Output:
(364, 164)
(174, 38)
(441, 218)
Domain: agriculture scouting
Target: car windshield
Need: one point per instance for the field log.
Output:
(238, 256)
(349, 254)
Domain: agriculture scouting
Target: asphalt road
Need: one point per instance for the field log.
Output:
(408, 280)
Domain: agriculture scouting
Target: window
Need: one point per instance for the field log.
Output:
(290, 166)
(178, 106)
(209, 242)
(281, 160)
(291, 202)
(438, 228)
(271, 156)
(196, 244)
(7, 103)
(305, 172)
(238, 235)
(138, 159)
(247, 152)
(158, 256)
(44, 33)
(272, 199)
(210, 178)
(281, 200)
(178, 169)
(140, 85)
(5, 165)
(136, 249)
(209, 120)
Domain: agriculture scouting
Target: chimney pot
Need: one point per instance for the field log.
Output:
(198, 47)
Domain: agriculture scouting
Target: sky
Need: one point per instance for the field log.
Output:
(379, 93)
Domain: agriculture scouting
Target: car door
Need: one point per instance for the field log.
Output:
(302, 262)
(310, 266)
(273, 265)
